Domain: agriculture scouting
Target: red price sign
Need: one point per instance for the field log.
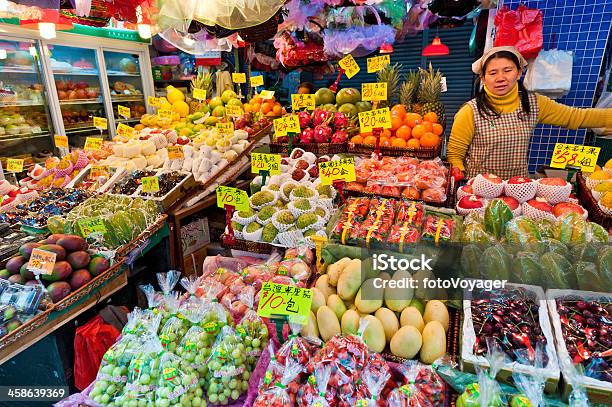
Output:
(285, 300)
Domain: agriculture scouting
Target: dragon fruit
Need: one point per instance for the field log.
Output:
(307, 136)
(304, 118)
(322, 133)
(340, 136)
(320, 116)
(340, 121)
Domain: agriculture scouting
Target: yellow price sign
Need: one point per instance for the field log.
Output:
(349, 65)
(98, 171)
(153, 101)
(41, 261)
(375, 64)
(14, 164)
(233, 197)
(300, 101)
(60, 141)
(239, 77)
(287, 124)
(150, 185)
(90, 226)
(575, 155)
(124, 111)
(93, 143)
(225, 128)
(337, 170)
(265, 162)
(266, 94)
(167, 113)
(231, 110)
(175, 152)
(199, 94)
(257, 81)
(100, 123)
(279, 299)
(379, 118)
(124, 130)
(371, 92)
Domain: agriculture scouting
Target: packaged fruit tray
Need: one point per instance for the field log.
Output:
(26, 328)
(423, 152)
(315, 148)
(173, 185)
(590, 204)
(504, 308)
(599, 391)
(83, 181)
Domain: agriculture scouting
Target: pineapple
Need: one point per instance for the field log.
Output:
(409, 89)
(392, 76)
(429, 92)
(201, 81)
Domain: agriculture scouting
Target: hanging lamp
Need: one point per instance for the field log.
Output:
(50, 22)
(436, 48)
(386, 48)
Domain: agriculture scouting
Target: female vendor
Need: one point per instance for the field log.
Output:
(491, 132)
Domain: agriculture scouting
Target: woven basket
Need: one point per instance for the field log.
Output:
(128, 247)
(315, 148)
(585, 197)
(23, 330)
(423, 152)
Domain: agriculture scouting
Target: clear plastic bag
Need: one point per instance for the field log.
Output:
(194, 351)
(175, 328)
(192, 307)
(420, 387)
(252, 330)
(321, 377)
(178, 383)
(277, 395)
(216, 316)
(531, 386)
(374, 381)
(551, 73)
(141, 321)
(167, 282)
(296, 348)
(487, 391)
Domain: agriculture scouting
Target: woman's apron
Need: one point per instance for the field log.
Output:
(500, 144)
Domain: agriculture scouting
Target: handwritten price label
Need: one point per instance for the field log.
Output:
(257, 81)
(153, 101)
(150, 185)
(375, 64)
(349, 65)
(125, 130)
(266, 94)
(14, 164)
(175, 152)
(239, 77)
(300, 101)
(90, 226)
(60, 141)
(337, 170)
(287, 124)
(379, 118)
(265, 162)
(93, 143)
(371, 92)
(225, 128)
(280, 299)
(199, 94)
(167, 113)
(233, 197)
(98, 171)
(231, 110)
(124, 111)
(41, 261)
(575, 155)
(100, 123)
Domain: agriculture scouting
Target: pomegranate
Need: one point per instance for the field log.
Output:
(340, 120)
(322, 133)
(304, 118)
(540, 204)
(565, 207)
(320, 116)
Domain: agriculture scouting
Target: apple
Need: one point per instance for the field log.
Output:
(493, 178)
(519, 180)
(471, 202)
(553, 181)
(145, 137)
(566, 207)
(183, 140)
(512, 203)
(540, 204)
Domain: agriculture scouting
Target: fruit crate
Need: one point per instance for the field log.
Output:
(598, 391)
(586, 199)
(315, 148)
(469, 360)
(177, 192)
(117, 172)
(423, 152)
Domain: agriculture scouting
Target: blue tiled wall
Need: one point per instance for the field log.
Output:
(582, 27)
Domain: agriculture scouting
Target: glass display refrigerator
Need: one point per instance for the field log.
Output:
(123, 71)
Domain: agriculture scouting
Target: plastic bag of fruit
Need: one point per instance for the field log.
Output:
(296, 268)
(216, 316)
(316, 396)
(373, 382)
(296, 348)
(252, 329)
(141, 321)
(191, 306)
(177, 383)
(277, 395)
(439, 228)
(531, 386)
(194, 351)
(212, 264)
(420, 386)
(486, 392)
(175, 327)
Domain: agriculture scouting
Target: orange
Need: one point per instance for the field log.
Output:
(429, 140)
(364, 135)
(398, 142)
(418, 131)
(385, 141)
(246, 107)
(399, 109)
(256, 107)
(431, 117)
(437, 129)
(428, 126)
(404, 132)
(413, 143)
(266, 108)
(396, 122)
(369, 140)
(357, 139)
(412, 119)
(277, 110)
(386, 133)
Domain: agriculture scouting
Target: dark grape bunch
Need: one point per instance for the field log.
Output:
(166, 182)
(130, 184)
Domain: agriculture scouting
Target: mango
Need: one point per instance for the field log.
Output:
(4, 274)
(310, 330)
(318, 299)
(25, 273)
(14, 264)
(327, 322)
(17, 279)
(396, 299)
(61, 271)
(436, 311)
(73, 243)
(406, 342)
(52, 239)
(335, 303)
(26, 249)
(389, 322)
(350, 322)
(374, 297)
(334, 270)
(418, 304)
(58, 290)
(350, 280)
(78, 260)
(97, 265)
(60, 252)
(374, 334)
(434, 342)
(322, 284)
(411, 316)
(79, 278)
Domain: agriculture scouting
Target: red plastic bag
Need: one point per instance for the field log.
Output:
(521, 28)
(91, 341)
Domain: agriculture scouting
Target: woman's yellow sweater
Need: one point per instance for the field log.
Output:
(550, 112)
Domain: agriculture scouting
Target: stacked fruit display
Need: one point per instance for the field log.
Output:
(322, 126)
(268, 107)
(600, 184)
(69, 90)
(13, 122)
(74, 265)
(56, 172)
(347, 101)
(300, 166)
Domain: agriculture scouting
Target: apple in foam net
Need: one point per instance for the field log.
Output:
(512, 203)
(540, 204)
(553, 181)
(566, 207)
(471, 202)
(493, 178)
(519, 180)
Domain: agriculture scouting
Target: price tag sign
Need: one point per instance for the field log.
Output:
(98, 171)
(287, 124)
(175, 152)
(443, 84)
(300, 101)
(100, 123)
(257, 81)
(14, 164)
(199, 94)
(375, 64)
(266, 94)
(231, 110)
(124, 111)
(371, 92)
(60, 141)
(337, 170)
(280, 299)
(125, 130)
(225, 128)
(41, 261)
(233, 197)
(93, 143)
(265, 162)
(153, 101)
(150, 185)
(575, 155)
(90, 226)
(374, 119)
(165, 113)
(239, 77)
(349, 65)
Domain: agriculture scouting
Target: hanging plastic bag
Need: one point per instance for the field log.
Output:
(252, 329)
(191, 307)
(277, 395)
(216, 316)
(295, 348)
(520, 28)
(177, 385)
(531, 386)
(551, 73)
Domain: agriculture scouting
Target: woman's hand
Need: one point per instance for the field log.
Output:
(457, 174)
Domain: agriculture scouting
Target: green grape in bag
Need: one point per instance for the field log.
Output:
(177, 384)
